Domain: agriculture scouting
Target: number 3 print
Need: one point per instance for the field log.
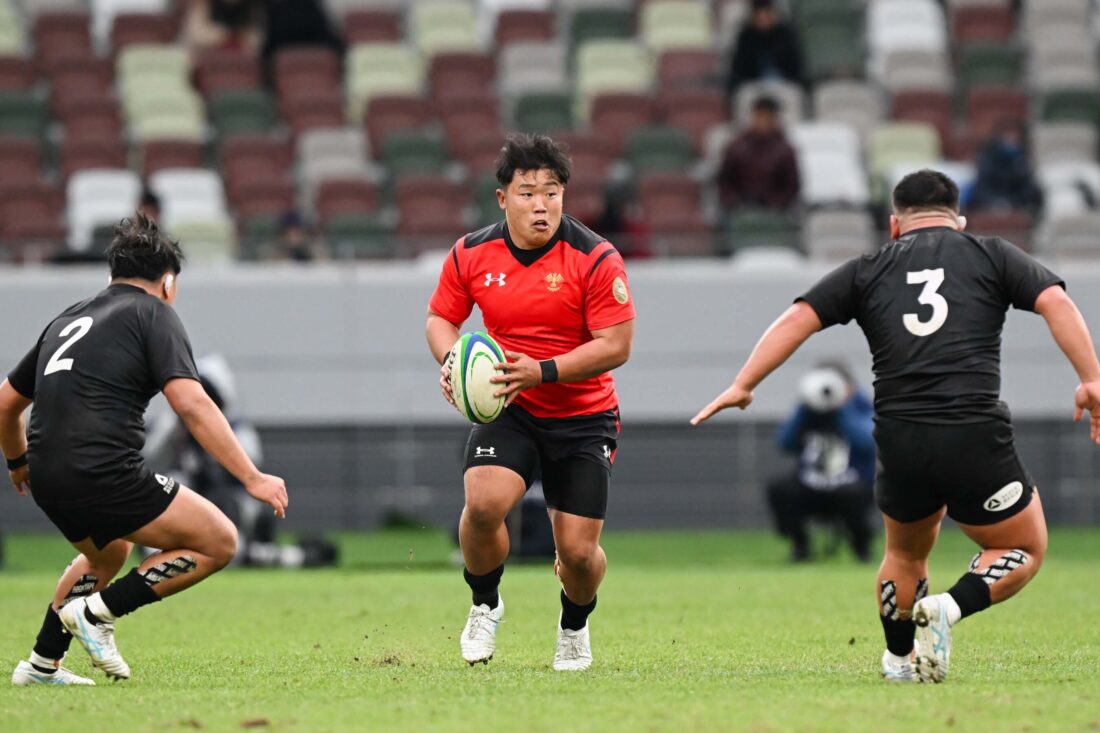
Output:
(932, 280)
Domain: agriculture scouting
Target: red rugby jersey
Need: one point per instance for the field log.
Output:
(542, 303)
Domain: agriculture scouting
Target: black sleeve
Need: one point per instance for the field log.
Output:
(22, 378)
(167, 347)
(1022, 276)
(834, 297)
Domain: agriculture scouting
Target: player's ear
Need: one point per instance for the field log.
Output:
(168, 286)
(895, 227)
(501, 195)
(962, 222)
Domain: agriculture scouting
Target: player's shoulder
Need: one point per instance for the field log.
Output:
(485, 235)
(582, 239)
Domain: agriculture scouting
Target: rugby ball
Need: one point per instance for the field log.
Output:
(472, 359)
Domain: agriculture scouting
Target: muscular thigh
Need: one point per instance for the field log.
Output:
(190, 522)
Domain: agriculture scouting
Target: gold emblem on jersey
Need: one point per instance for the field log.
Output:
(553, 282)
(618, 289)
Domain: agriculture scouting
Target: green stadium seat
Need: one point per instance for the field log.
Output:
(23, 114)
(485, 199)
(246, 110)
(834, 50)
(651, 149)
(413, 151)
(260, 237)
(544, 112)
(357, 236)
(591, 24)
(1071, 105)
(747, 228)
(989, 64)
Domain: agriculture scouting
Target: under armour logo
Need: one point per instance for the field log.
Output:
(489, 279)
(607, 453)
(490, 451)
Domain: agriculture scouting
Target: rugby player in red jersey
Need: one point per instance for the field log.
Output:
(555, 296)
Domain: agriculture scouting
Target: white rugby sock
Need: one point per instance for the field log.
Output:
(894, 660)
(44, 663)
(954, 613)
(99, 608)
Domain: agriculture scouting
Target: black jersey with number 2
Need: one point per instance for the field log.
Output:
(932, 305)
(91, 376)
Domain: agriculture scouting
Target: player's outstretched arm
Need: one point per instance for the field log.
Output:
(1071, 333)
(442, 335)
(13, 433)
(782, 339)
(207, 423)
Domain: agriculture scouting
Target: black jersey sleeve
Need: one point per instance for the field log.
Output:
(22, 378)
(167, 348)
(834, 297)
(1022, 276)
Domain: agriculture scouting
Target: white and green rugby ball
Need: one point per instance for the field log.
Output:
(472, 359)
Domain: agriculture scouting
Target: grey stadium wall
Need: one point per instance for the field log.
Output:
(331, 364)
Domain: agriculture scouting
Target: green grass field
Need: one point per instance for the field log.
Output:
(695, 631)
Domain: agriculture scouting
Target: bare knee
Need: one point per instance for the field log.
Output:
(579, 558)
(223, 547)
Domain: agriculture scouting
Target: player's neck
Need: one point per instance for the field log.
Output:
(925, 221)
(149, 287)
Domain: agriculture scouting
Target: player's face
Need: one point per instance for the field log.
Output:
(532, 206)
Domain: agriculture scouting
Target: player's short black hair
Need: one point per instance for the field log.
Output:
(765, 103)
(763, 5)
(926, 189)
(523, 152)
(141, 250)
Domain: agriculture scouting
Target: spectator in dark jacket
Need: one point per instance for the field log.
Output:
(1005, 179)
(767, 48)
(760, 168)
(831, 434)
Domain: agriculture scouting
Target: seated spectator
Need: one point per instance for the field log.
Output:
(759, 167)
(767, 49)
(296, 241)
(831, 434)
(1005, 179)
(149, 204)
(233, 24)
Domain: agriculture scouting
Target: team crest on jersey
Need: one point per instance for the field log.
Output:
(618, 289)
(554, 281)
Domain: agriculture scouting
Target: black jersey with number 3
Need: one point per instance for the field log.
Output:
(932, 305)
(91, 376)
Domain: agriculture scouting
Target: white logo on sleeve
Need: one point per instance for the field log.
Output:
(1005, 497)
(489, 280)
(490, 452)
(607, 453)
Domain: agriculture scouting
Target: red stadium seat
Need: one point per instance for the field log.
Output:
(987, 107)
(457, 73)
(80, 154)
(669, 191)
(616, 115)
(468, 115)
(314, 110)
(1015, 226)
(30, 211)
(256, 149)
(131, 28)
(388, 113)
(680, 69)
(220, 70)
(20, 158)
(671, 212)
(478, 150)
(372, 26)
(933, 107)
(431, 212)
(585, 198)
(159, 154)
(694, 110)
(89, 117)
(306, 69)
(345, 196)
(524, 25)
(257, 197)
(17, 73)
(982, 23)
(61, 34)
(591, 153)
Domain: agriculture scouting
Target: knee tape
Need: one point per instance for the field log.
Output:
(1001, 567)
(169, 569)
(82, 587)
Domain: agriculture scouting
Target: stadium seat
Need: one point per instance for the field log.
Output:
(456, 73)
(436, 26)
(669, 191)
(611, 66)
(915, 69)
(91, 117)
(210, 241)
(104, 13)
(471, 114)
(80, 76)
(1073, 237)
(546, 112)
(168, 118)
(99, 196)
(837, 235)
(901, 143)
(747, 228)
(600, 24)
(1063, 141)
(372, 25)
(361, 236)
(652, 149)
(380, 68)
(222, 70)
(1060, 68)
(153, 59)
(616, 115)
(834, 49)
(513, 26)
(254, 157)
(58, 34)
(17, 73)
(1015, 226)
(320, 110)
(929, 106)
(830, 164)
(989, 64)
(389, 113)
(160, 154)
(696, 111)
(253, 197)
(485, 200)
(1070, 105)
(988, 107)
(189, 195)
(674, 24)
(585, 200)
(477, 150)
(687, 69)
(1070, 187)
(408, 152)
(592, 154)
(241, 111)
(430, 211)
(142, 28)
(12, 34)
(84, 153)
(856, 103)
(20, 158)
(22, 113)
(982, 23)
(1056, 13)
(790, 97)
(527, 68)
(335, 153)
(338, 196)
(306, 68)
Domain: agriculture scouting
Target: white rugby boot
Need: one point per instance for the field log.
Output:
(904, 672)
(934, 637)
(26, 675)
(97, 639)
(479, 638)
(574, 652)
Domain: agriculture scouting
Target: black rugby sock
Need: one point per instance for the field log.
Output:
(127, 594)
(972, 594)
(53, 641)
(899, 635)
(485, 587)
(573, 616)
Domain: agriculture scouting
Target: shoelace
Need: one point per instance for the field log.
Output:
(479, 625)
(574, 647)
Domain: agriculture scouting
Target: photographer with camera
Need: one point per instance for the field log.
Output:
(831, 434)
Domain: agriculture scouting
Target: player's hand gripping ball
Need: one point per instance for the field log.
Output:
(472, 361)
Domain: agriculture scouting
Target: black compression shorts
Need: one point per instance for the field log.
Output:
(575, 455)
